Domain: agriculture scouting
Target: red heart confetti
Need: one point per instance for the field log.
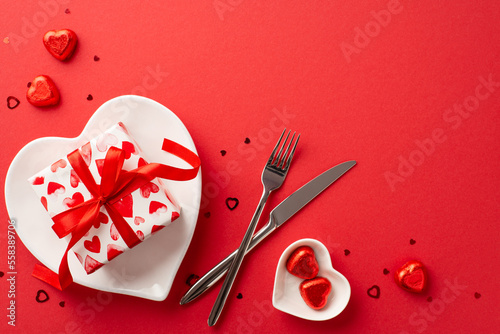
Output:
(60, 43)
(412, 242)
(96, 58)
(315, 292)
(477, 295)
(302, 263)
(90, 97)
(412, 276)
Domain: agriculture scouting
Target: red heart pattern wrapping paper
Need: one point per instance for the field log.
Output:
(147, 209)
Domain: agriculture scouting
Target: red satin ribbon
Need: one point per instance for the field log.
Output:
(115, 184)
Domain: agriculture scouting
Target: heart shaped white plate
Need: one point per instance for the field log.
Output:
(148, 270)
(286, 294)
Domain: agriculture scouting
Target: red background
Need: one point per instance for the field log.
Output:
(229, 70)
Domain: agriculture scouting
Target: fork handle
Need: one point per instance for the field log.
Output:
(238, 258)
(217, 272)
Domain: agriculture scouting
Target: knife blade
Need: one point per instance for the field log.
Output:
(278, 216)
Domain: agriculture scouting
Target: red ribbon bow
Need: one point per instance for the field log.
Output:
(115, 184)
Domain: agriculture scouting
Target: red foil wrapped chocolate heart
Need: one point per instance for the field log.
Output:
(302, 263)
(315, 292)
(60, 43)
(412, 276)
(42, 92)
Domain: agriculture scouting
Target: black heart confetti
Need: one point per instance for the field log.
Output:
(192, 279)
(412, 242)
(9, 102)
(223, 152)
(90, 97)
(239, 296)
(232, 203)
(247, 140)
(386, 271)
(374, 292)
(347, 252)
(41, 296)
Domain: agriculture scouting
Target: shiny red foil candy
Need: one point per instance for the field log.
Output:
(315, 292)
(60, 43)
(412, 276)
(43, 92)
(302, 263)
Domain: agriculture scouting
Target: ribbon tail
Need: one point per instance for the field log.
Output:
(48, 276)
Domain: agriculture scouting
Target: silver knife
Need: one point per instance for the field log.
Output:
(279, 215)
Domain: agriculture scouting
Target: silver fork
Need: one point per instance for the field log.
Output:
(273, 176)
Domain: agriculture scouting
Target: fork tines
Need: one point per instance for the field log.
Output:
(283, 160)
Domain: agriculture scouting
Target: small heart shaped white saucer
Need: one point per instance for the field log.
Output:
(286, 294)
(148, 270)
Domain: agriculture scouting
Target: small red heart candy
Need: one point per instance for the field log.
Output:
(302, 263)
(43, 92)
(315, 292)
(412, 276)
(60, 43)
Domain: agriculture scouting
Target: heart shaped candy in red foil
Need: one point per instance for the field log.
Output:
(42, 92)
(302, 263)
(315, 292)
(412, 276)
(60, 43)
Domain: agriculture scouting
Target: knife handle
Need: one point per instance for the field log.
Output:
(217, 272)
